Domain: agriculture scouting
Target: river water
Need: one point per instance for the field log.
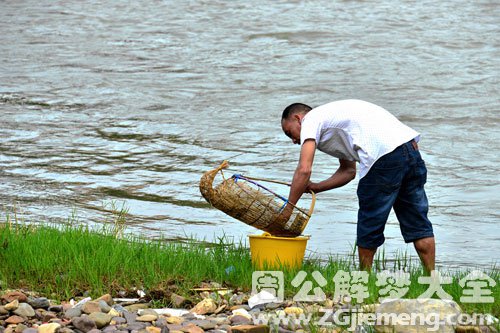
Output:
(130, 102)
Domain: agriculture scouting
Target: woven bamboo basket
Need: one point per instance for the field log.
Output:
(248, 201)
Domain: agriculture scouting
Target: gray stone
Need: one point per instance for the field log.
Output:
(111, 328)
(130, 317)
(272, 305)
(95, 330)
(84, 324)
(438, 309)
(161, 321)
(119, 320)
(72, 312)
(64, 330)
(238, 299)
(221, 320)
(119, 308)
(189, 316)
(56, 308)
(100, 319)
(25, 310)
(38, 302)
(165, 329)
(30, 330)
(138, 306)
(136, 326)
(204, 324)
(148, 312)
(104, 306)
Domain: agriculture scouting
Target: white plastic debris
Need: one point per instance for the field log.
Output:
(176, 312)
(261, 298)
(83, 301)
(120, 300)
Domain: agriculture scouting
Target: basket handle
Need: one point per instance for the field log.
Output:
(313, 195)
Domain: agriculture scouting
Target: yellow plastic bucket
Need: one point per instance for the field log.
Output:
(273, 252)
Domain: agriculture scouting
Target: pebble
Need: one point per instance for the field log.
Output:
(177, 300)
(14, 320)
(48, 328)
(72, 312)
(239, 320)
(100, 319)
(293, 310)
(118, 321)
(24, 310)
(136, 307)
(12, 305)
(106, 298)
(152, 329)
(130, 317)
(104, 306)
(56, 308)
(93, 316)
(91, 307)
(147, 318)
(114, 313)
(206, 306)
(14, 295)
(174, 320)
(31, 330)
(204, 324)
(38, 302)
(84, 323)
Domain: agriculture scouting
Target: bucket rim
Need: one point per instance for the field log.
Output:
(267, 235)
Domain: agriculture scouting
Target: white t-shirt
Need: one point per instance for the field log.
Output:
(355, 130)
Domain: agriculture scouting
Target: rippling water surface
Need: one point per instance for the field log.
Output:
(108, 101)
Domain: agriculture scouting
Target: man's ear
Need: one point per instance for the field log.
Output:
(298, 117)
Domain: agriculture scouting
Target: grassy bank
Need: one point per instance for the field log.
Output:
(70, 261)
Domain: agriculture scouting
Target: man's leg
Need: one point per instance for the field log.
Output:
(411, 208)
(426, 249)
(366, 258)
(377, 192)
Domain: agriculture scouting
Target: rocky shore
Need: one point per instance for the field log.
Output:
(219, 311)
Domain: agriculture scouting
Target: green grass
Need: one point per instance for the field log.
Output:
(69, 260)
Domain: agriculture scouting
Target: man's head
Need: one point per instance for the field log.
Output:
(291, 120)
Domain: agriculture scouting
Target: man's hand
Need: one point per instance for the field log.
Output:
(312, 187)
(276, 228)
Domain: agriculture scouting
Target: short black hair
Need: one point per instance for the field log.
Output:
(294, 109)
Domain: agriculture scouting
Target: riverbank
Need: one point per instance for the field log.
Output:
(75, 262)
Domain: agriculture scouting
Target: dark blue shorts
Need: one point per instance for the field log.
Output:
(396, 180)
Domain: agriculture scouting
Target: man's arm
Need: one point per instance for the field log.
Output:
(344, 174)
(303, 172)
